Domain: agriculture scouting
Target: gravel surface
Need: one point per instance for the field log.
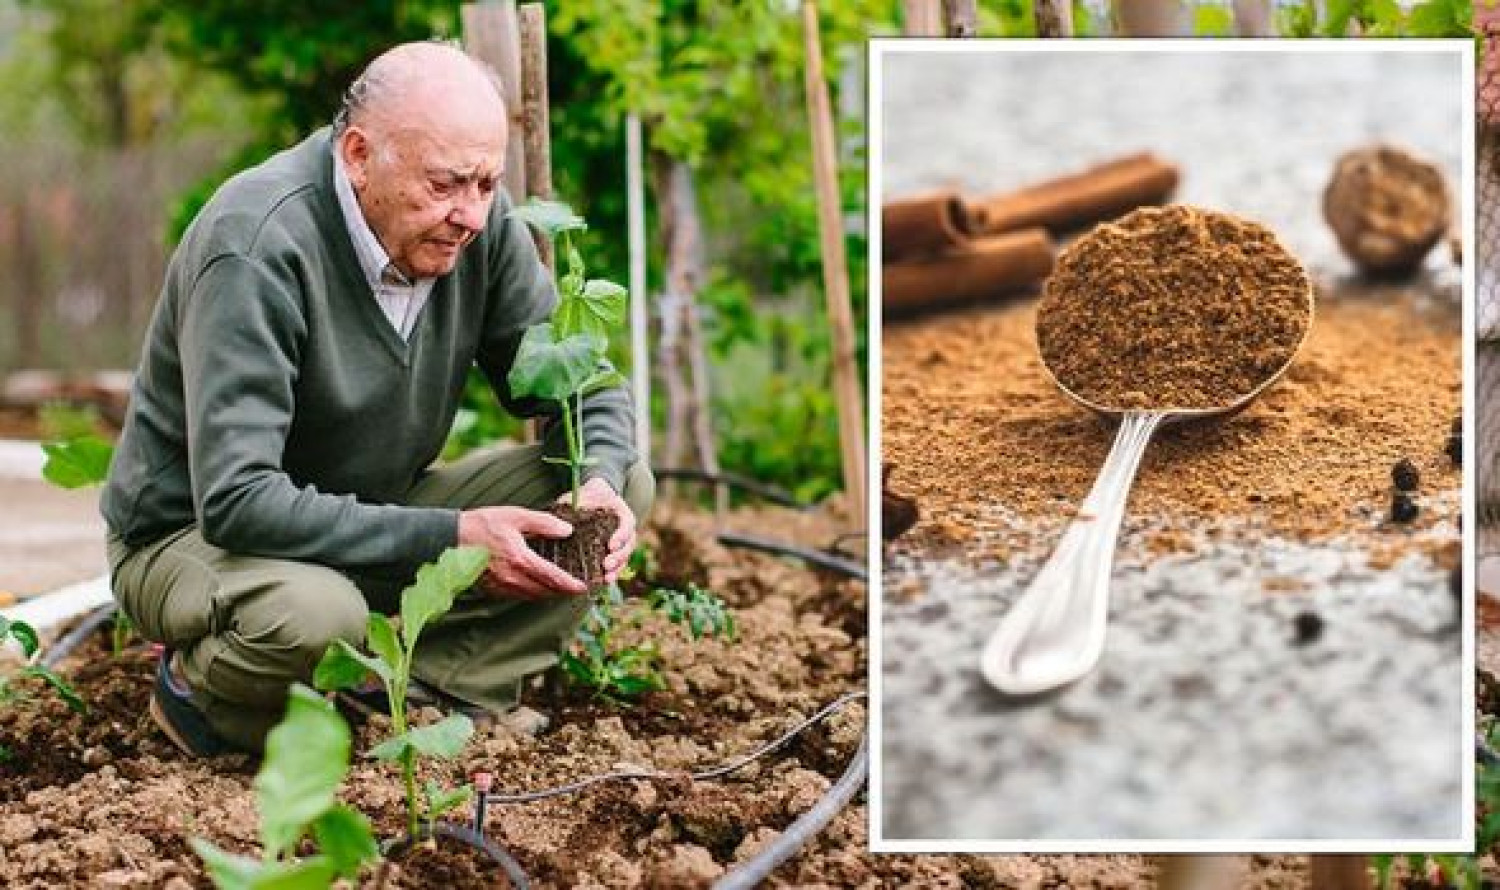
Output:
(1205, 719)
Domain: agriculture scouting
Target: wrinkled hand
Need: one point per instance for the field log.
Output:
(515, 569)
(597, 494)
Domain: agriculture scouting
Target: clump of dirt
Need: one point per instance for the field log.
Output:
(582, 553)
(1173, 307)
(441, 862)
(1387, 207)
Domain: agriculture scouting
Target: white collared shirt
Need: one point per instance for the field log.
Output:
(399, 298)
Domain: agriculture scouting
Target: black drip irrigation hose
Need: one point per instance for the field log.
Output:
(70, 640)
(796, 835)
(823, 713)
(464, 835)
(733, 480)
(778, 548)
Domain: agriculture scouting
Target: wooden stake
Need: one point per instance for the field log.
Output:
(492, 35)
(536, 125)
(1054, 18)
(835, 269)
(962, 18)
(640, 320)
(922, 18)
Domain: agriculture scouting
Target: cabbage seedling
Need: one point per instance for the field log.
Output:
(437, 585)
(563, 360)
(307, 756)
(25, 636)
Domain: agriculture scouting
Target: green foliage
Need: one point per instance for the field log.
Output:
(437, 585)
(596, 660)
(25, 636)
(307, 756)
(563, 360)
(77, 456)
(702, 612)
(1377, 18)
(1213, 21)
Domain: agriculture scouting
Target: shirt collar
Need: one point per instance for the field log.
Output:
(373, 260)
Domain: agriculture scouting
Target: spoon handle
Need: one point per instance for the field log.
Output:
(1055, 632)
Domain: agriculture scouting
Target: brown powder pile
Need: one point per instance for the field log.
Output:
(971, 422)
(1173, 307)
(1387, 207)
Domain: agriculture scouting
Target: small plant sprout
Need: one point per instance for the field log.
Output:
(78, 457)
(438, 584)
(307, 756)
(564, 360)
(25, 636)
(596, 661)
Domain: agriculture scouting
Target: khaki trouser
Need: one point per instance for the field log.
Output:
(247, 626)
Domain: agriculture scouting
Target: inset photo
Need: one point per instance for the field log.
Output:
(1171, 423)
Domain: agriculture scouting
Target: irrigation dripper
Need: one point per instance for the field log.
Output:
(482, 784)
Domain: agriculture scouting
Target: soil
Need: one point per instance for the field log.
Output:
(582, 553)
(444, 862)
(1173, 307)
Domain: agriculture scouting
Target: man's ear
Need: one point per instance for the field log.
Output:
(355, 151)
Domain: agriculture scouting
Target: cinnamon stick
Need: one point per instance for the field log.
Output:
(931, 222)
(986, 267)
(1070, 202)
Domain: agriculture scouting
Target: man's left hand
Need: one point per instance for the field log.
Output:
(597, 494)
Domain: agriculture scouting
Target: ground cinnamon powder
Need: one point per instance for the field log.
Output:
(973, 428)
(1172, 307)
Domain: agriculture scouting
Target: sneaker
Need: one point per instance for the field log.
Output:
(180, 720)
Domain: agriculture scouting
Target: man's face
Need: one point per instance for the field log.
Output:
(425, 194)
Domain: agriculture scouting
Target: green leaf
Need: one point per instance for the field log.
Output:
(634, 684)
(22, 633)
(604, 378)
(228, 870)
(438, 584)
(440, 801)
(445, 738)
(554, 370)
(381, 636)
(345, 837)
(548, 217)
(307, 755)
(65, 691)
(597, 309)
(343, 666)
(77, 462)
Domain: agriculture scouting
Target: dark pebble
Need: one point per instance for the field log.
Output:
(1403, 508)
(1309, 627)
(1404, 474)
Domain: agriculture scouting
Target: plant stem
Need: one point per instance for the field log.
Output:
(397, 695)
(573, 433)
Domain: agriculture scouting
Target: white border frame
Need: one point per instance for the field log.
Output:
(878, 48)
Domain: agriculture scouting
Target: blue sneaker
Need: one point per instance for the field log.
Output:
(179, 719)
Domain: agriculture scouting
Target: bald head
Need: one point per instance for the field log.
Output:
(422, 138)
(430, 86)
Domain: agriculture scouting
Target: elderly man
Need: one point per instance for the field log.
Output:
(300, 374)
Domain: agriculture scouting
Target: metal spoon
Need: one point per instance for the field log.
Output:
(1054, 633)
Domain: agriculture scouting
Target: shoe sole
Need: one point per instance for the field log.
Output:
(170, 731)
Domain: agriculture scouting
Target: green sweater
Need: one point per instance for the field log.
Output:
(276, 407)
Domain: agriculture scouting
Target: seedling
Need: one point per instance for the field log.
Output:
(438, 584)
(307, 757)
(78, 457)
(618, 673)
(25, 636)
(563, 360)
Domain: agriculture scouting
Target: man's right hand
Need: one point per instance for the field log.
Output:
(515, 569)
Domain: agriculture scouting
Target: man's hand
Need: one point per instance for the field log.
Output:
(515, 569)
(597, 494)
